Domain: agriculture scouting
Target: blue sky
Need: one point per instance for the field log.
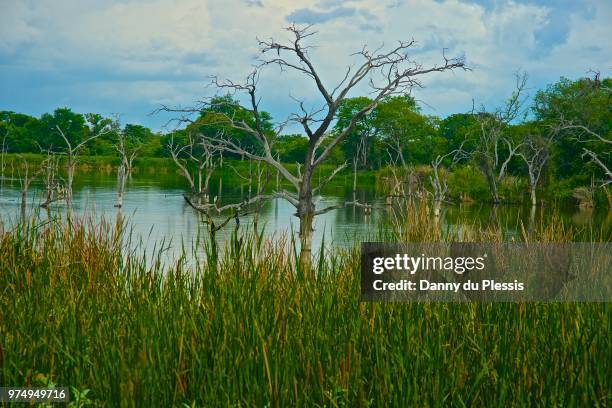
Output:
(129, 56)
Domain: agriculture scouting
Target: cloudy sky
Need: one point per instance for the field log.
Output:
(129, 56)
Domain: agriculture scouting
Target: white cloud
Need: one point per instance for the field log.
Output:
(160, 50)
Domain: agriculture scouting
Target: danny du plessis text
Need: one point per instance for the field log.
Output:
(505, 272)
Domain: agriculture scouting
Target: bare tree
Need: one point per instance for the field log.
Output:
(439, 176)
(53, 188)
(387, 73)
(72, 155)
(360, 155)
(594, 157)
(213, 158)
(535, 152)
(492, 143)
(127, 154)
(395, 184)
(204, 154)
(26, 181)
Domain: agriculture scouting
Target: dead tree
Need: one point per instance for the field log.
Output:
(26, 180)
(439, 176)
(360, 155)
(53, 188)
(237, 210)
(72, 156)
(395, 187)
(594, 157)
(203, 154)
(121, 176)
(176, 153)
(127, 154)
(491, 139)
(213, 158)
(387, 73)
(535, 152)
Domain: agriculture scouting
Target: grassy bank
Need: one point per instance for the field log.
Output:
(77, 311)
(14, 165)
(14, 162)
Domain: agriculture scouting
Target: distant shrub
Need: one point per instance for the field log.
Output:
(468, 181)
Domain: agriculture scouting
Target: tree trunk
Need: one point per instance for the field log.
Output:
(207, 186)
(354, 180)
(306, 212)
(277, 180)
(49, 196)
(532, 214)
(214, 251)
(534, 200)
(306, 221)
(71, 166)
(488, 171)
(250, 177)
(437, 207)
(200, 179)
(493, 187)
(24, 196)
(121, 174)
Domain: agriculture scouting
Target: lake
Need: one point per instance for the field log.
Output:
(157, 212)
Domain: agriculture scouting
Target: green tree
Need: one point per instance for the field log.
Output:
(459, 129)
(150, 143)
(404, 130)
(290, 148)
(103, 145)
(18, 132)
(71, 124)
(580, 111)
(217, 118)
(358, 144)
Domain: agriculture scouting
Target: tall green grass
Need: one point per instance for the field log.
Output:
(79, 309)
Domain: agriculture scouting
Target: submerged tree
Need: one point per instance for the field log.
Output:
(26, 180)
(72, 156)
(51, 180)
(387, 73)
(127, 149)
(201, 153)
(439, 176)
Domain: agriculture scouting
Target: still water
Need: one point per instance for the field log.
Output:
(156, 210)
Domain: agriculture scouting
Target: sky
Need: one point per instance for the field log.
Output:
(129, 56)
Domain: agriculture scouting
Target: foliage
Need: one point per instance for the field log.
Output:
(584, 102)
(291, 148)
(468, 181)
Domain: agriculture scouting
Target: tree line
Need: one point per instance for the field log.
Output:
(562, 136)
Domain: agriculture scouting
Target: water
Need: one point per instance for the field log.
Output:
(157, 212)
